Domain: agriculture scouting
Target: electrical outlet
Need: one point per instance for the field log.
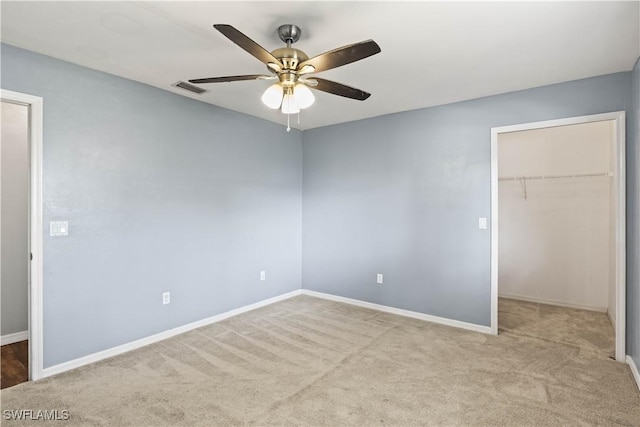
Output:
(166, 298)
(379, 278)
(482, 223)
(263, 276)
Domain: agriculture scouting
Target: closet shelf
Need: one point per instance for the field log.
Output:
(578, 175)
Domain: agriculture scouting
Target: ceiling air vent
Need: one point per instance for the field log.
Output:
(190, 87)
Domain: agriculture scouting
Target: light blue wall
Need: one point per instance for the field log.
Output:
(633, 219)
(166, 193)
(162, 193)
(401, 195)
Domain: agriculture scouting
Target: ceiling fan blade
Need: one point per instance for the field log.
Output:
(229, 78)
(247, 44)
(340, 89)
(342, 56)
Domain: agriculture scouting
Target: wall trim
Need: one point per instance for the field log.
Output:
(401, 312)
(619, 181)
(553, 302)
(36, 323)
(133, 345)
(634, 370)
(15, 337)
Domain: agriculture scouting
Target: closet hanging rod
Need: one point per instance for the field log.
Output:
(578, 175)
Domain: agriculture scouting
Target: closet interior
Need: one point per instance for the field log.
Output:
(557, 212)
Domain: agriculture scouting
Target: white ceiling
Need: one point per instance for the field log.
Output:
(432, 52)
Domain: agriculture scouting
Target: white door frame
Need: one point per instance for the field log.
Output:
(619, 184)
(35, 227)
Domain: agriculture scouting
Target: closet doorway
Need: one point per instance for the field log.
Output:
(558, 229)
(27, 260)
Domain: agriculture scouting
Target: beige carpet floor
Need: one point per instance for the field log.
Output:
(307, 361)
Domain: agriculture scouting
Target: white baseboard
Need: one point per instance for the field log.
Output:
(552, 302)
(634, 370)
(16, 337)
(95, 357)
(401, 312)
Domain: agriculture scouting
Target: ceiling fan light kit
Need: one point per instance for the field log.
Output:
(299, 96)
(291, 68)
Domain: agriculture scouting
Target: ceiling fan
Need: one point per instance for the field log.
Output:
(292, 67)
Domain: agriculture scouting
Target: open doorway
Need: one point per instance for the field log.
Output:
(558, 227)
(14, 224)
(21, 237)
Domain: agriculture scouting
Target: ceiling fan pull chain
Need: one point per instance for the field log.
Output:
(298, 117)
(288, 126)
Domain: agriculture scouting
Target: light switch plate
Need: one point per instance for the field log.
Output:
(59, 228)
(482, 223)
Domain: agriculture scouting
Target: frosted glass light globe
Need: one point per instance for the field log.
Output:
(289, 105)
(303, 95)
(272, 97)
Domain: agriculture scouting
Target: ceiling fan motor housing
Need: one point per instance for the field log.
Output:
(290, 57)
